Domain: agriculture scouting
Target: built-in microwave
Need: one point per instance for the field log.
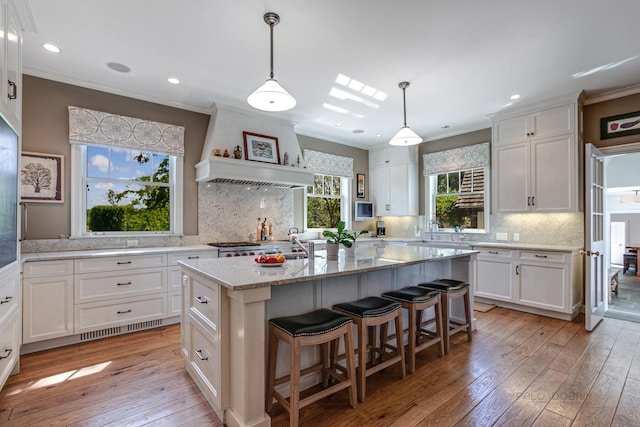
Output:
(364, 211)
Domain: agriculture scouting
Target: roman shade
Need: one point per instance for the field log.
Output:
(90, 127)
(456, 159)
(328, 164)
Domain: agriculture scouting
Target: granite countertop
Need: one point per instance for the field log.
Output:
(244, 273)
(50, 256)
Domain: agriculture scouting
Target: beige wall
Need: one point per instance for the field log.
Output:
(594, 112)
(45, 128)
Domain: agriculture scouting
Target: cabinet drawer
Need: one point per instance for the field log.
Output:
(491, 253)
(90, 265)
(9, 343)
(172, 259)
(107, 285)
(553, 257)
(47, 268)
(99, 315)
(8, 292)
(203, 303)
(205, 360)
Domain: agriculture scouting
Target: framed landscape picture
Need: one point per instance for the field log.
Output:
(41, 178)
(261, 148)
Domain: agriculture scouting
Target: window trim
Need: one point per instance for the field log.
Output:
(79, 202)
(345, 204)
(431, 184)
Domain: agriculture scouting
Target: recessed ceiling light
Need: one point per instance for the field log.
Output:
(116, 66)
(515, 96)
(358, 131)
(338, 125)
(173, 81)
(379, 135)
(51, 47)
(445, 126)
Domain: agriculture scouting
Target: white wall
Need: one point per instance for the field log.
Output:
(633, 226)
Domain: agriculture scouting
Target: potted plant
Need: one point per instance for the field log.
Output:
(341, 236)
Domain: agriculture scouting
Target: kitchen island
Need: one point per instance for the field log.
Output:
(227, 302)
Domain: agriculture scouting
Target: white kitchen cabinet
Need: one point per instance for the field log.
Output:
(10, 64)
(47, 300)
(394, 181)
(495, 274)
(538, 281)
(174, 291)
(535, 161)
(10, 325)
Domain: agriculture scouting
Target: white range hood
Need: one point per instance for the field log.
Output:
(225, 132)
(245, 172)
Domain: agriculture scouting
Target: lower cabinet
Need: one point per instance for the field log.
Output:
(10, 339)
(537, 281)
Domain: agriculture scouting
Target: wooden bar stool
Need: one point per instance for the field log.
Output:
(368, 313)
(449, 290)
(319, 327)
(415, 300)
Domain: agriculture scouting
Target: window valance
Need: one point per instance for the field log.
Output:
(328, 164)
(473, 156)
(99, 128)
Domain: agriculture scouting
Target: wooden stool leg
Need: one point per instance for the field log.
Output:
(467, 313)
(384, 334)
(445, 321)
(437, 308)
(272, 358)
(362, 361)
(351, 369)
(294, 384)
(413, 331)
(400, 343)
(326, 363)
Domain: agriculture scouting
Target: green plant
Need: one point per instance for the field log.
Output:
(342, 235)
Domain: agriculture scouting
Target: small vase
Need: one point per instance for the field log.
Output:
(332, 250)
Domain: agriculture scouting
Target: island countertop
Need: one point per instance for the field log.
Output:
(240, 273)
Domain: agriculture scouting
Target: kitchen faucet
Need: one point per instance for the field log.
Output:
(293, 237)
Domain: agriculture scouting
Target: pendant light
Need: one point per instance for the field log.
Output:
(271, 96)
(405, 135)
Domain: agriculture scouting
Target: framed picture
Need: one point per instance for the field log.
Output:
(261, 148)
(620, 125)
(360, 185)
(41, 178)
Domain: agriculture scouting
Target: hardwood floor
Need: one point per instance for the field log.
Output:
(520, 369)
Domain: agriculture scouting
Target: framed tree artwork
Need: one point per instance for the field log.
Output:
(360, 185)
(41, 178)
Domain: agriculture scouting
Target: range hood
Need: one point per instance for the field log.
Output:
(225, 132)
(245, 172)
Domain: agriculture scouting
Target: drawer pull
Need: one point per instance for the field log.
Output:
(494, 252)
(13, 90)
(193, 257)
(200, 356)
(7, 353)
(124, 262)
(540, 256)
(124, 312)
(6, 300)
(517, 270)
(202, 300)
(124, 283)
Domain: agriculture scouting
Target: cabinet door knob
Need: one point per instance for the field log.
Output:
(517, 270)
(200, 356)
(13, 90)
(201, 300)
(6, 300)
(533, 200)
(7, 353)
(529, 201)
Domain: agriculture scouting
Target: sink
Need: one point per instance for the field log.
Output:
(295, 256)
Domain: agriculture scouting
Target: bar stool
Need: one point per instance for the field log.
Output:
(449, 290)
(319, 327)
(415, 300)
(371, 312)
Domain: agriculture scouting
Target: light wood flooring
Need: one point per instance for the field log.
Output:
(520, 369)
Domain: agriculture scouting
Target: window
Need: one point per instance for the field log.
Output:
(327, 202)
(124, 191)
(458, 199)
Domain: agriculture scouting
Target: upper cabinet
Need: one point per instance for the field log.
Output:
(535, 160)
(10, 65)
(394, 180)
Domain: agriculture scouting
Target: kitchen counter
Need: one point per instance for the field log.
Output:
(239, 273)
(228, 301)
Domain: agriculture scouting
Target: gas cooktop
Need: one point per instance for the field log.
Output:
(232, 244)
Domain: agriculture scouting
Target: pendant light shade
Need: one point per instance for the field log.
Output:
(405, 135)
(271, 96)
(629, 198)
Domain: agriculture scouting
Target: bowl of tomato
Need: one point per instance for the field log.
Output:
(275, 260)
